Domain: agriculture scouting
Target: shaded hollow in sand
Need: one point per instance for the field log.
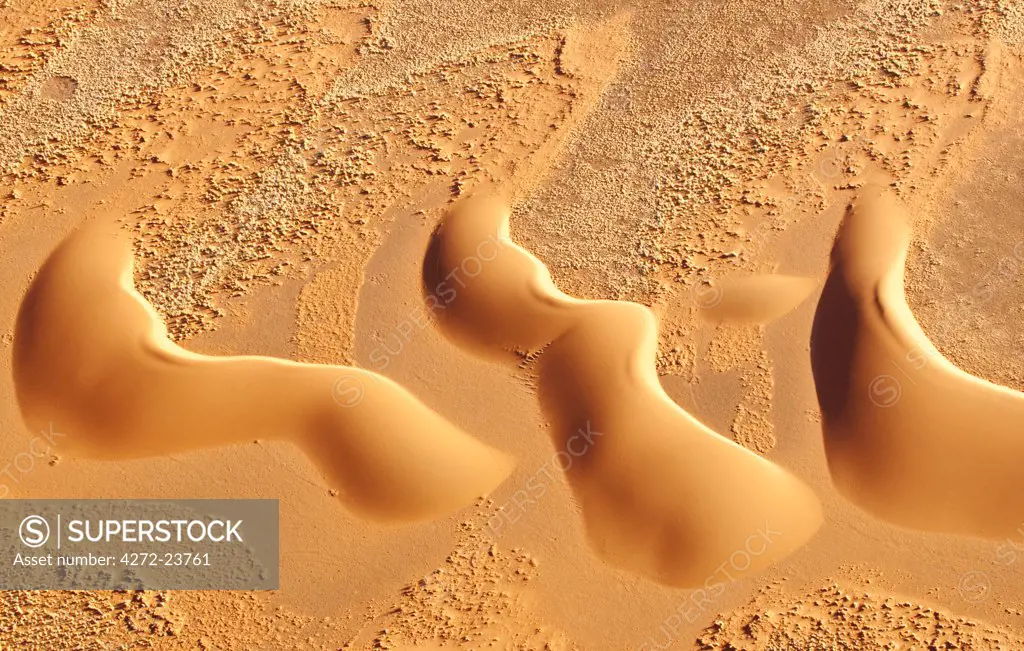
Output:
(92, 357)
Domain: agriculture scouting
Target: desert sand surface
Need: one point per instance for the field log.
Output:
(608, 325)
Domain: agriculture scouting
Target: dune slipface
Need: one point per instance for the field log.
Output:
(909, 436)
(661, 494)
(92, 357)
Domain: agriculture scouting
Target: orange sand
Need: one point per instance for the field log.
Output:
(650, 479)
(909, 436)
(92, 358)
(677, 173)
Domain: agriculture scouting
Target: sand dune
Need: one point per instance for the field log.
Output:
(92, 358)
(752, 299)
(661, 494)
(280, 168)
(909, 436)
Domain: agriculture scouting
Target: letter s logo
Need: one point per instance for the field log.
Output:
(34, 531)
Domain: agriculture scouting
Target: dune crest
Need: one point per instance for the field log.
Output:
(909, 436)
(92, 357)
(661, 494)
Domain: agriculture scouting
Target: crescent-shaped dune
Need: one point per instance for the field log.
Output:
(661, 494)
(909, 436)
(92, 357)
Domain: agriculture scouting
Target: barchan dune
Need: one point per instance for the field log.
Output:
(661, 494)
(92, 357)
(909, 436)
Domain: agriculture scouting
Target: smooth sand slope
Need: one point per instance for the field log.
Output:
(752, 299)
(661, 494)
(909, 436)
(92, 358)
